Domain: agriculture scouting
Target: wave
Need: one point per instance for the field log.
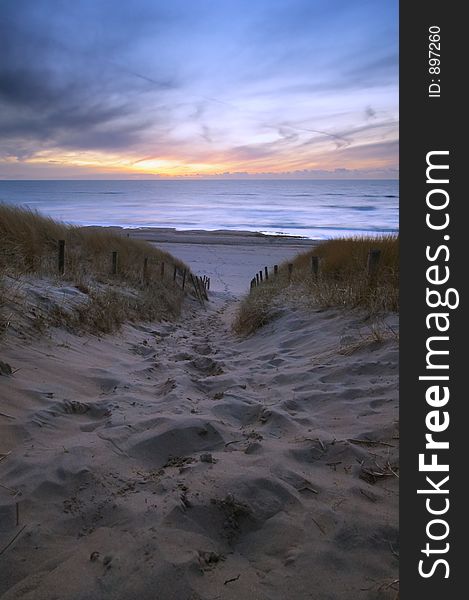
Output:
(287, 207)
(362, 208)
(298, 195)
(379, 196)
(235, 194)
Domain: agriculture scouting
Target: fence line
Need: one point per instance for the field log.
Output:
(201, 284)
(372, 269)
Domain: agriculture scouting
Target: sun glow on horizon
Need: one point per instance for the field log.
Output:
(306, 92)
(101, 163)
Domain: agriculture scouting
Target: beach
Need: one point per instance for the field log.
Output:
(230, 258)
(176, 458)
(311, 208)
(199, 300)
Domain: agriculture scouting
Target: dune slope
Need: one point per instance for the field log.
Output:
(177, 461)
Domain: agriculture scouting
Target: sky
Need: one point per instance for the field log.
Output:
(198, 88)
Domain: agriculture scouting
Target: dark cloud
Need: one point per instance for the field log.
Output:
(66, 93)
(192, 80)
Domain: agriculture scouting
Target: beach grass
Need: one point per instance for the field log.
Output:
(29, 249)
(343, 281)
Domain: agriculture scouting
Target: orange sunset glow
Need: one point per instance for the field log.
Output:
(213, 95)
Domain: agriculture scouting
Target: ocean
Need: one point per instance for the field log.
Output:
(316, 209)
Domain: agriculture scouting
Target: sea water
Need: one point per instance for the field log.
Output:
(316, 209)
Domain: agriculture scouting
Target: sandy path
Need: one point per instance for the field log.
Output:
(230, 267)
(179, 462)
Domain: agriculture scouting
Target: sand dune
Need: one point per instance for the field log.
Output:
(176, 461)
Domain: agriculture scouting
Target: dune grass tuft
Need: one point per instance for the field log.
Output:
(256, 310)
(343, 281)
(29, 249)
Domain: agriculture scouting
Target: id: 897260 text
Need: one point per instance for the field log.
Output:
(434, 61)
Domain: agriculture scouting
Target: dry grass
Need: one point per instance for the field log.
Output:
(256, 310)
(28, 244)
(343, 281)
(28, 249)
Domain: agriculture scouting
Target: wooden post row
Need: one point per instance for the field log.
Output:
(205, 289)
(200, 291)
(201, 287)
(196, 290)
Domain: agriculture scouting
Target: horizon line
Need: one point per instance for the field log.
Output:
(210, 179)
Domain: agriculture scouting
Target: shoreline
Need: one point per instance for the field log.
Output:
(221, 236)
(212, 237)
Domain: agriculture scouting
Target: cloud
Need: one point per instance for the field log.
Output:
(65, 96)
(236, 81)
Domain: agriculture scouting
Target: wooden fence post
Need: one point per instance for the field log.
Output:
(200, 289)
(257, 278)
(266, 270)
(315, 266)
(184, 279)
(61, 257)
(290, 271)
(204, 289)
(114, 263)
(175, 272)
(162, 270)
(374, 256)
(200, 285)
(260, 276)
(196, 290)
(275, 269)
(208, 283)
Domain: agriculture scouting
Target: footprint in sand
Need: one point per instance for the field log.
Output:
(207, 366)
(203, 349)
